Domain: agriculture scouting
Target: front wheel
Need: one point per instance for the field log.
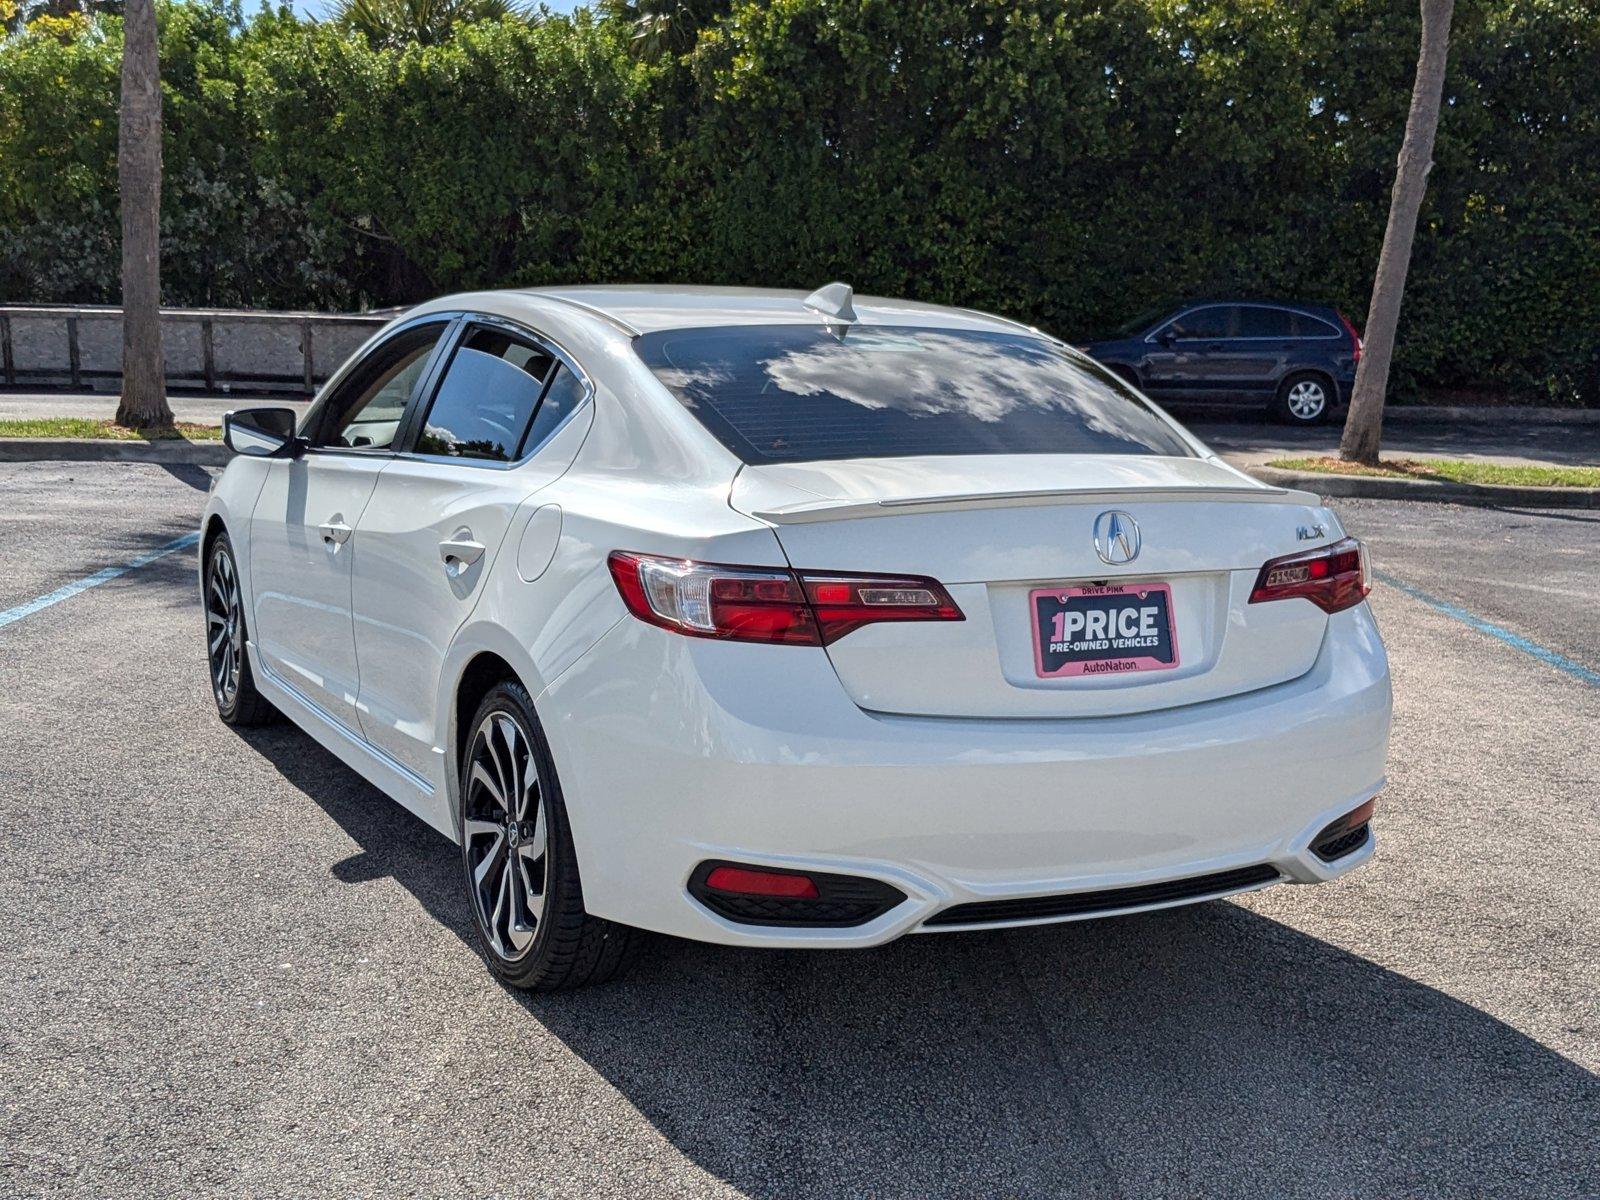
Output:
(1303, 400)
(521, 871)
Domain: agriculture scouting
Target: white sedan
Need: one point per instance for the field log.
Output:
(786, 620)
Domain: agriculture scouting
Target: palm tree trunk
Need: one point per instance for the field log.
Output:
(1363, 427)
(144, 389)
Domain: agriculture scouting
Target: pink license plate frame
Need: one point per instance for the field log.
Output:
(1113, 663)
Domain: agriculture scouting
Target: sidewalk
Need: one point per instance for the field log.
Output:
(193, 409)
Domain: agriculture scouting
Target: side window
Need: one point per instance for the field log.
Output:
(1257, 322)
(365, 413)
(1214, 321)
(487, 398)
(1307, 326)
(563, 395)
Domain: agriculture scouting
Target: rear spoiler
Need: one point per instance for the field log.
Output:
(809, 512)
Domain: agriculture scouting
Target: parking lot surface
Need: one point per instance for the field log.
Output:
(227, 964)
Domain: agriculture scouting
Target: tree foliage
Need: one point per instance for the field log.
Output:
(397, 23)
(1068, 162)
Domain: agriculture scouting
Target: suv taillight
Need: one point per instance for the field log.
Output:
(1333, 578)
(1355, 339)
(770, 604)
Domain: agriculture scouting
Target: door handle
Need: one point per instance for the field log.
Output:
(335, 532)
(459, 553)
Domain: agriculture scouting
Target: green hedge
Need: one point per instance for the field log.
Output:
(1068, 163)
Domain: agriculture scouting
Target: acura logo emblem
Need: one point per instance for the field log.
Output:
(1116, 538)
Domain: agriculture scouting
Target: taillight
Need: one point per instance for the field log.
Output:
(1333, 578)
(767, 604)
(1355, 339)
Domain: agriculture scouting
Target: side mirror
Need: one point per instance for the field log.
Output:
(261, 432)
(1167, 338)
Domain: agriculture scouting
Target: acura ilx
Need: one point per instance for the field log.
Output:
(792, 620)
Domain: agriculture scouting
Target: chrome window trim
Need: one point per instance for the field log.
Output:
(1332, 333)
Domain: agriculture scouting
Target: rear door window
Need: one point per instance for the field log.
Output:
(1307, 326)
(797, 393)
(562, 395)
(487, 399)
(1258, 322)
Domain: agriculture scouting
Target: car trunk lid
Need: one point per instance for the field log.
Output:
(997, 529)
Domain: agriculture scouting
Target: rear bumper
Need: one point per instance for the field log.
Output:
(754, 754)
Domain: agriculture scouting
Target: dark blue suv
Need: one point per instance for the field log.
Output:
(1298, 360)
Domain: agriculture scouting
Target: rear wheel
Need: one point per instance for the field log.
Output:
(232, 684)
(1303, 399)
(520, 868)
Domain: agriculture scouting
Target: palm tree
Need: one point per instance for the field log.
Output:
(18, 15)
(662, 27)
(144, 386)
(396, 23)
(1363, 427)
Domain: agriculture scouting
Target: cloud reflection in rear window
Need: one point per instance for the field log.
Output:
(798, 393)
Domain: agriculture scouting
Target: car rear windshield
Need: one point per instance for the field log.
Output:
(800, 393)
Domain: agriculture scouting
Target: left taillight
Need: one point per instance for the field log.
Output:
(769, 604)
(1333, 577)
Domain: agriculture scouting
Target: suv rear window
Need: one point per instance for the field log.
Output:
(799, 393)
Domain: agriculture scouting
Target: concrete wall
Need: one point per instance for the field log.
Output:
(206, 349)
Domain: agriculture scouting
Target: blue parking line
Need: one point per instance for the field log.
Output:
(1543, 653)
(67, 591)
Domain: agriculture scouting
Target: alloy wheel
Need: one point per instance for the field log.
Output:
(224, 627)
(1306, 400)
(505, 829)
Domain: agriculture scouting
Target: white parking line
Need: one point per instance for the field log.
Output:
(69, 590)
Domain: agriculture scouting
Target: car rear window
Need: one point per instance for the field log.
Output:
(801, 393)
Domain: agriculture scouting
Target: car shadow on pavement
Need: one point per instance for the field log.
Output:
(1196, 1051)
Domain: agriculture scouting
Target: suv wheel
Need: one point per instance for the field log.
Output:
(521, 871)
(1303, 400)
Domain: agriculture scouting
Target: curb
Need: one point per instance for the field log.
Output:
(169, 452)
(1450, 414)
(1365, 487)
(1400, 414)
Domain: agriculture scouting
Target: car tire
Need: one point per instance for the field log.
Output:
(1305, 398)
(1127, 374)
(233, 684)
(559, 946)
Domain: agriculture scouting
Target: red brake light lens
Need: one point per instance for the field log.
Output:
(1355, 338)
(847, 602)
(1333, 577)
(766, 604)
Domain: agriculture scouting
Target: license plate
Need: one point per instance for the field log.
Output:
(1103, 630)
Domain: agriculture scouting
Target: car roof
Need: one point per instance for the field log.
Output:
(646, 308)
(1258, 302)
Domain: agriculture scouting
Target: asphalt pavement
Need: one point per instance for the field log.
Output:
(231, 966)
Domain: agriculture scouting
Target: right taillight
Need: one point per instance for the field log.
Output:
(770, 604)
(1333, 577)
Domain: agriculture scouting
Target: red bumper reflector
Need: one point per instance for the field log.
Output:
(761, 883)
(1360, 816)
